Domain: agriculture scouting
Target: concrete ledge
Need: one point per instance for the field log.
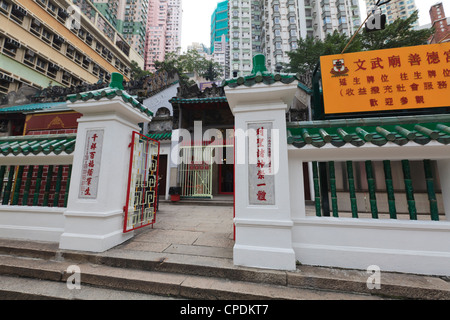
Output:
(31, 222)
(264, 257)
(400, 246)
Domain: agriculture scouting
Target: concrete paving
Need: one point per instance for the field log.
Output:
(195, 230)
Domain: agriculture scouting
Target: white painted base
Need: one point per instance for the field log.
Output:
(421, 247)
(264, 257)
(264, 244)
(93, 232)
(31, 223)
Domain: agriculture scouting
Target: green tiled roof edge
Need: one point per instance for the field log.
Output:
(35, 144)
(260, 77)
(379, 131)
(31, 107)
(114, 90)
(160, 136)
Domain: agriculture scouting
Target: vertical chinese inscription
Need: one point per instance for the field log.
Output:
(260, 168)
(91, 164)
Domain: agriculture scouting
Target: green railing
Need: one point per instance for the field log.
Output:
(43, 185)
(324, 178)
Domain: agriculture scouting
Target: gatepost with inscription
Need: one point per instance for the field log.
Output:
(94, 217)
(262, 206)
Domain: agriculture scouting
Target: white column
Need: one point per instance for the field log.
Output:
(444, 176)
(95, 223)
(263, 228)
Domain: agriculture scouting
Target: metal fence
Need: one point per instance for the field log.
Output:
(391, 179)
(35, 185)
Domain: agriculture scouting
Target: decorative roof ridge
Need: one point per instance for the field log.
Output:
(38, 137)
(203, 99)
(110, 92)
(259, 74)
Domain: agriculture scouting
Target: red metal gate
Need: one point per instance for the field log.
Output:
(142, 190)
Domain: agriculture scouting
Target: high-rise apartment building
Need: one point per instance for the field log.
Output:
(245, 27)
(163, 31)
(274, 27)
(129, 18)
(395, 9)
(219, 23)
(329, 15)
(221, 55)
(173, 28)
(38, 49)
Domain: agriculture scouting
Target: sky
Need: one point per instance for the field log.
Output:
(196, 25)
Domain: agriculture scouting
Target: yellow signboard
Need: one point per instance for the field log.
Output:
(389, 79)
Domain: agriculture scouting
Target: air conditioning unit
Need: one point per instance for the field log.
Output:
(58, 39)
(18, 10)
(6, 78)
(53, 66)
(12, 43)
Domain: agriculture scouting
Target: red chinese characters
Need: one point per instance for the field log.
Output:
(260, 157)
(91, 165)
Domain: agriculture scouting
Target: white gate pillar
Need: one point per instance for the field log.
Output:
(94, 217)
(262, 204)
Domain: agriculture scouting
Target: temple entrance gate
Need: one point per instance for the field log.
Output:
(142, 189)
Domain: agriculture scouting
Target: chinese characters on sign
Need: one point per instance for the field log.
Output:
(261, 175)
(91, 164)
(390, 79)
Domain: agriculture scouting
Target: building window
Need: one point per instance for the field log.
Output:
(29, 58)
(41, 64)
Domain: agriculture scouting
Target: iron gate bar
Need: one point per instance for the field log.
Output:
(26, 191)
(372, 195)
(58, 185)
(2, 177)
(7, 192)
(38, 185)
(146, 173)
(66, 193)
(429, 179)
(17, 184)
(390, 189)
(409, 190)
(316, 189)
(351, 188)
(334, 204)
(48, 183)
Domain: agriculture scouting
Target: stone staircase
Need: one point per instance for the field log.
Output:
(40, 271)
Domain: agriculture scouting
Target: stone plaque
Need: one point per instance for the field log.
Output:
(260, 164)
(91, 164)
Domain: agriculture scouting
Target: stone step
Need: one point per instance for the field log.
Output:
(393, 285)
(153, 283)
(19, 288)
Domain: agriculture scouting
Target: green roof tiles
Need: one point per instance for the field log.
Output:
(378, 131)
(35, 144)
(260, 75)
(31, 107)
(160, 136)
(115, 89)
